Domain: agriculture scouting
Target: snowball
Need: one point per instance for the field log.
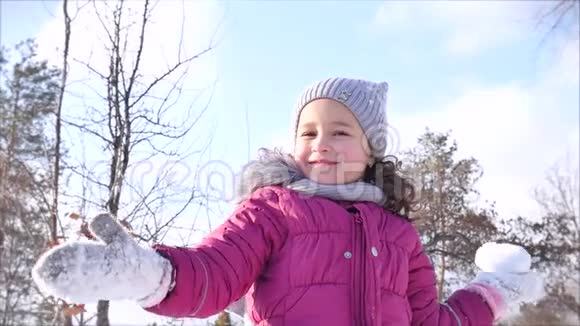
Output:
(503, 257)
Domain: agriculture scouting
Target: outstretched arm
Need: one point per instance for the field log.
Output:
(462, 308)
(197, 282)
(496, 293)
(220, 270)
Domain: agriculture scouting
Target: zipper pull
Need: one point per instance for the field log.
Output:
(352, 210)
(355, 212)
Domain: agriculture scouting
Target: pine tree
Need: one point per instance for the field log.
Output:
(451, 227)
(28, 98)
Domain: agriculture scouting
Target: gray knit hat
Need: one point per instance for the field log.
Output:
(367, 100)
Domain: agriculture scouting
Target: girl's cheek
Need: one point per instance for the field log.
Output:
(303, 168)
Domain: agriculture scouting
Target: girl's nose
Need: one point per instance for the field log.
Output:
(321, 145)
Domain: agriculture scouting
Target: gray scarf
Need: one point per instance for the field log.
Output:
(273, 167)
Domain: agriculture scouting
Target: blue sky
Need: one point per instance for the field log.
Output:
(478, 68)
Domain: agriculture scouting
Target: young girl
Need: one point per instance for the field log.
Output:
(320, 237)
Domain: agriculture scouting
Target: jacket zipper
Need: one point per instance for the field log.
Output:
(360, 265)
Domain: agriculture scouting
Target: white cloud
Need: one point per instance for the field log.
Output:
(467, 27)
(570, 63)
(516, 130)
(511, 129)
(565, 60)
(574, 141)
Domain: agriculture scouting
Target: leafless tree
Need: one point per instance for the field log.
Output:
(553, 240)
(137, 119)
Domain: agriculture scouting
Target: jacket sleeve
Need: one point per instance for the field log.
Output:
(220, 270)
(462, 308)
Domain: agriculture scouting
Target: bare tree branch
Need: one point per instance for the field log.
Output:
(85, 128)
(555, 17)
(169, 72)
(132, 79)
(93, 70)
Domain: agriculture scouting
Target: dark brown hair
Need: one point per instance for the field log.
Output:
(399, 190)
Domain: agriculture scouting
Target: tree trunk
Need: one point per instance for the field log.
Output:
(68, 321)
(57, 155)
(441, 281)
(103, 313)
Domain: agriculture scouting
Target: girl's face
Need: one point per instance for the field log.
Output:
(330, 146)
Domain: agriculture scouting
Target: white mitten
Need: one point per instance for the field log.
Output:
(115, 269)
(506, 280)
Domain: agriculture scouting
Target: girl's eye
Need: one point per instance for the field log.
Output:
(340, 133)
(308, 134)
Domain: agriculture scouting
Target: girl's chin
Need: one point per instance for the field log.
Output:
(331, 179)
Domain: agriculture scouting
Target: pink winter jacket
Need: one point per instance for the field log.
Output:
(313, 261)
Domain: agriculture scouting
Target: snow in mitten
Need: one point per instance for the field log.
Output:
(115, 269)
(506, 281)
